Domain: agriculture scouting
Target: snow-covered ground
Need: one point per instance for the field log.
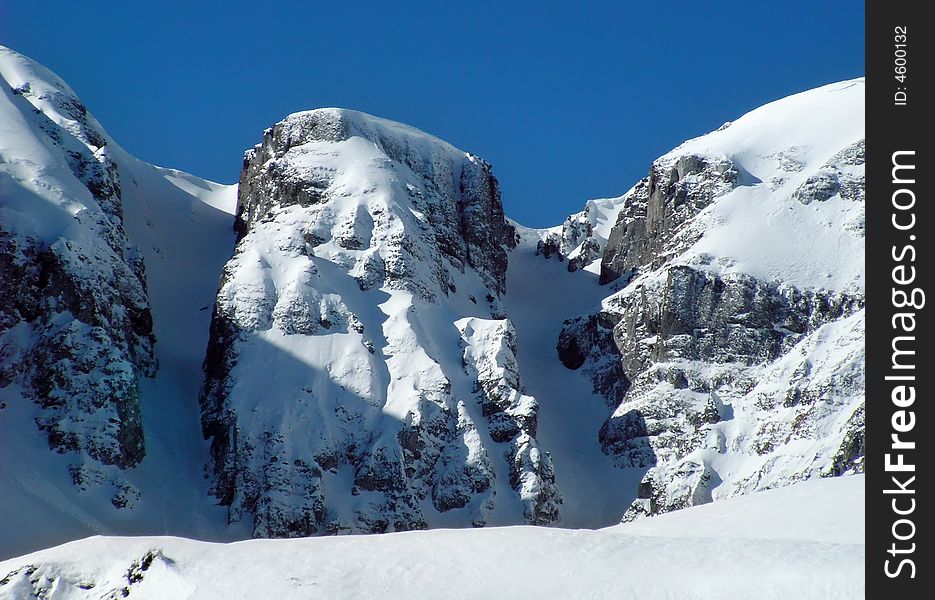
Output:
(803, 542)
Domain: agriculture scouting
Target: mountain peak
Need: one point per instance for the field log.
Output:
(338, 124)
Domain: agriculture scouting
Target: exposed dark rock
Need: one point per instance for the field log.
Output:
(818, 188)
(674, 192)
(589, 340)
(576, 242)
(75, 323)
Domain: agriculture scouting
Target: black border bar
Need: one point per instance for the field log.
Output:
(900, 270)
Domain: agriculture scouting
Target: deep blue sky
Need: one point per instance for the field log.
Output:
(568, 102)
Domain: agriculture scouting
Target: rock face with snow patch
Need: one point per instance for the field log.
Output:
(732, 370)
(490, 359)
(75, 323)
(649, 227)
(738, 366)
(582, 237)
(362, 244)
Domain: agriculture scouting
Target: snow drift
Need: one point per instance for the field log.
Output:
(803, 541)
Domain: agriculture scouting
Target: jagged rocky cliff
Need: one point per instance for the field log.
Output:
(75, 323)
(104, 265)
(361, 371)
(737, 334)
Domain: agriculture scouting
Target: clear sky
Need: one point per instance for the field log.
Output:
(568, 100)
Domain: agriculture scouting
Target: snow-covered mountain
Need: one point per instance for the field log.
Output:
(361, 372)
(355, 339)
(108, 271)
(804, 541)
(737, 333)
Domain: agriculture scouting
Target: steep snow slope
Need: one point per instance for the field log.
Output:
(805, 541)
(797, 215)
(738, 331)
(58, 172)
(541, 295)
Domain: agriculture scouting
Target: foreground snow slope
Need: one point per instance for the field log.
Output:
(804, 541)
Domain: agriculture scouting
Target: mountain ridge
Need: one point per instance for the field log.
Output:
(419, 335)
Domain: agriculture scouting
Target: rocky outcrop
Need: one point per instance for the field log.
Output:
(698, 351)
(841, 176)
(75, 323)
(579, 240)
(686, 314)
(359, 240)
(648, 226)
(588, 342)
(722, 381)
(512, 416)
(458, 201)
(574, 242)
